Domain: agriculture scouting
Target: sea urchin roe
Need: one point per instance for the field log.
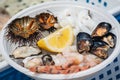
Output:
(24, 27)
(46, 21)
(23, 31)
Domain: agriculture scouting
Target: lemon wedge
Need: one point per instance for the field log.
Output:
(57, 41)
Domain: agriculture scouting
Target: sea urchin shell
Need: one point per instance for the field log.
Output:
(46, 21)
(23, 30)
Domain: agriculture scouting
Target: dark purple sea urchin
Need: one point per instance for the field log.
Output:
(23, 31)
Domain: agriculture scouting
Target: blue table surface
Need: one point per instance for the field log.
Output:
(12, 74)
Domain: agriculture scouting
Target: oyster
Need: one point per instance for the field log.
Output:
(33, 61)
(25, 51)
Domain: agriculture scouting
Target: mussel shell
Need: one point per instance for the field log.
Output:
(83, 36)
(100, 49)
(100, 53)
(84, 42)
(96, 38)
(110, 39)
(47, 59)
(98, 43)
(102, 29)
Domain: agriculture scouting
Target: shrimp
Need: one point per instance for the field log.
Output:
(92, 60)
(58, 69)
(69, 61)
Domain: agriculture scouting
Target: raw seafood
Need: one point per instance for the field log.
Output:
(102, 29)
(99, 42)
(46, 21)
(84, 42)
(25, 51)
(70, 49)
(100, 49)
(110, 39)
(70, 61)
(23, 30)
(47, 60)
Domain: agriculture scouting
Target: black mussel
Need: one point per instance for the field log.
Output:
(96, 38)
(47, 59)
(100, 49)
(110, 39)
(84, 42)
(102, 29)
(46, 21)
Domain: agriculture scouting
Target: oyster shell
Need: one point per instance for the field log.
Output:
(25, 51)
(32, 61)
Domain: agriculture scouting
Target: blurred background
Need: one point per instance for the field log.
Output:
(9, 8)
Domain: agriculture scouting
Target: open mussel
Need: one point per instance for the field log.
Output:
(23, 30)
(102, 29)
(99, 42)
(47, 59)
(100, 49)
(84, 42)
(46, 21)
(110, 39)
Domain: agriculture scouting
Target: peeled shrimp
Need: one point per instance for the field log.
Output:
(69, 61)
(58, 69)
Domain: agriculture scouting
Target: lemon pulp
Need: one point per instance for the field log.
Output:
(58, 40)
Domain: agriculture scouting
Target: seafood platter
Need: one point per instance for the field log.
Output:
(60, 40)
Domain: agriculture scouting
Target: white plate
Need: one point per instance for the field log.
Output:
(3, 64)
(112, 6)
